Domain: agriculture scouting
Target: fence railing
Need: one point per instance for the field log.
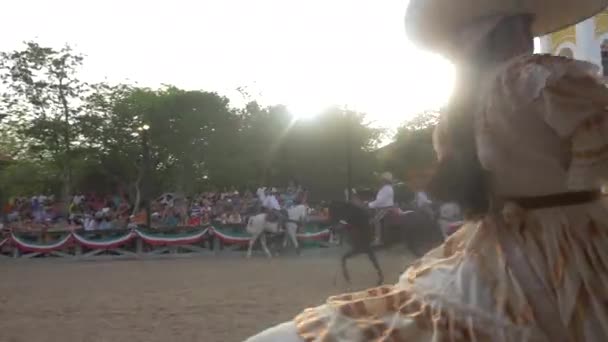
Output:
(139, 242)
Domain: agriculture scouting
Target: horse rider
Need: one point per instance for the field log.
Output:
(261, 194)
(424, 204)
(273, 208)
(385, 201)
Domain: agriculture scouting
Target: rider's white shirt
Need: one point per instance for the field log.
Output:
(422, 200)
(270, 202)
(261, 194)
(384, 198)
(449, 211)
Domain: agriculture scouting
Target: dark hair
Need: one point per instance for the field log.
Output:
(459, 176)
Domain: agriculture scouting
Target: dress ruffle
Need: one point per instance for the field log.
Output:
(463, 290)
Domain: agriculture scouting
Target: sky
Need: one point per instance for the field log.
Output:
(304, 54)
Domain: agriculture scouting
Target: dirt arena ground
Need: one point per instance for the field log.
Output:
(214, 298)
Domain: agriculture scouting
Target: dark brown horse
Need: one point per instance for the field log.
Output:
(415, 230)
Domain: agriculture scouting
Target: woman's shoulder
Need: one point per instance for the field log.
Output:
(523, 78)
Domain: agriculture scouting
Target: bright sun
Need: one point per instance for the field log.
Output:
(303, 113)
(308, 56)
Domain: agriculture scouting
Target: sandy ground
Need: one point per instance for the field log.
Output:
(214, 298)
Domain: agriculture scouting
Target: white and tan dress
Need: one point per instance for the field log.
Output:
(543, 129)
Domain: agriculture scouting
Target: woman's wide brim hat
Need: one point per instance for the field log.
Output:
(432, 23)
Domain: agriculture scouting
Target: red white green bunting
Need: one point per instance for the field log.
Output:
(154, 239)
(26, 246)
(322, 235)
(230, 239)
(167, 240)
(105, 243)
(244, 238)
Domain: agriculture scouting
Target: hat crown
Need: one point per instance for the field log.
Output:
(432, 23)
(387, 176)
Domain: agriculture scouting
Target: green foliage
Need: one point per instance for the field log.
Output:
(29, 177)
(42, 97)
(60, 130)
(412, 148)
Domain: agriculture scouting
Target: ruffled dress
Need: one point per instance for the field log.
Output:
(542, 130)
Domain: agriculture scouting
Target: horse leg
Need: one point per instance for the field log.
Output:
(251, 243)
(263, 240)
(285, 241)
(372, 257)
(346, 256)
(294, 239)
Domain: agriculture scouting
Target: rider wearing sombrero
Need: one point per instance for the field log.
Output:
(384, 202)
(522, 148)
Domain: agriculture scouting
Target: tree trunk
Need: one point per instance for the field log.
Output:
(137, 201)
(68, 151)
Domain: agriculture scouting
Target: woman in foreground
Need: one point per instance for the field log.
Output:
(523, 147)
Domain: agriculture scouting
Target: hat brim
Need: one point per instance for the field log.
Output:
(432, 23)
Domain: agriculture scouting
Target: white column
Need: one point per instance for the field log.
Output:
(588, 49)
(545, 44)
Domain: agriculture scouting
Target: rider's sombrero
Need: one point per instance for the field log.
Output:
(432, 23)
(387, 176)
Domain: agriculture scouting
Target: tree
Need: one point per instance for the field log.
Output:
(43, 98)
(87, 134)
(188, 129)
(112, 148)
(412, 150)
(312, 152)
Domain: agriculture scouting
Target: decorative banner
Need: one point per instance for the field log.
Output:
(155, 239)
(322, 235)
(26, 246)
(107, 243)
(178, 239)
(229, 238)
(243, 238)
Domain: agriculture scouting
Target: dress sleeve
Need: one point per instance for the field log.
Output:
(574, 102)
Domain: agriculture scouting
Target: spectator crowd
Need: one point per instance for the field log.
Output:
(92, 211)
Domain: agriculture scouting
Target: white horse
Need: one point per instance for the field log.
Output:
(257, 226)
(296, 216)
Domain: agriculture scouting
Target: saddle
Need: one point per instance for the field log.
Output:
(272, 216)
(275, 216)
(392, 216)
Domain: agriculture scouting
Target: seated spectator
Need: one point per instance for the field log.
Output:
(205, 218)
(194, 221)
(234, 218)
(139, 219)
(91, 223)
(106, 219)
(223, 218)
